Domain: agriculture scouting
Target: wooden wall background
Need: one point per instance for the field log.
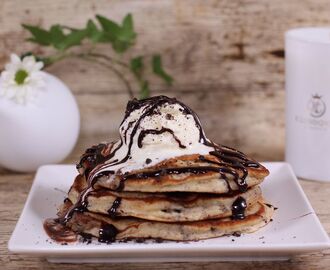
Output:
(226, 56)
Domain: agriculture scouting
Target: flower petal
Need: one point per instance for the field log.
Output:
(14, 58)
(28, 63)
(38, 66)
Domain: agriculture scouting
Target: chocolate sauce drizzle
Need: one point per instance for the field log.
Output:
(158, 132)
(194, 170)
(91, 158)
(93, 161)
(113, 209)
(238, 208)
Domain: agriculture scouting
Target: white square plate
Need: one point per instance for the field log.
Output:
(294, 230)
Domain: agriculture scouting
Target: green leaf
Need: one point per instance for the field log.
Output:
(91, 29)
(136, 65)
(39, 35)
(157, 68)
(128, 23)
(121, 37)
(72, 39)
(93, 33)
(57, 32)
(144, 90)
(123, 42)
(120, 46)
(57, 35)
(127, 33)
(110, 27)
(127, 37)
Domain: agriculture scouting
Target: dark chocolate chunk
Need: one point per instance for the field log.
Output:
(238, 208)
(107, 233)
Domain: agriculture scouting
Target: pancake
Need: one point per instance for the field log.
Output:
(157, 179)
(109, 230)
(167, 207)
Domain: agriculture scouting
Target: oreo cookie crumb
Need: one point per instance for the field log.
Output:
(169, 116)
(140, 240)
(159, 240)
(237, 234)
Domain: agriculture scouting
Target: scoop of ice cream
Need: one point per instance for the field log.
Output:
(166, 125)
(153, 130)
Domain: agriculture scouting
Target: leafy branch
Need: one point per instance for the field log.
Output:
(121, 37)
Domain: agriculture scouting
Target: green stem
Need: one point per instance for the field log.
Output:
(108, 58)
(60, 56)
(55, 58)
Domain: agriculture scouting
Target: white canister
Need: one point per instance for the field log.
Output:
(307, 63)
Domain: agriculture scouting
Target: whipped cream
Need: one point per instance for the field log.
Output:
(154, 130)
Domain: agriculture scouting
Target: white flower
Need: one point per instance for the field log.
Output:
(22, 79)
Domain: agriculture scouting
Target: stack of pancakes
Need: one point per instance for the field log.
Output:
(170, 206)
(161, 183)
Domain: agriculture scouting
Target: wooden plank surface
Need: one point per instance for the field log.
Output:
(227, 54)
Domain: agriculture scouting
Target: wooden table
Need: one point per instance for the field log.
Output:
(15, 187)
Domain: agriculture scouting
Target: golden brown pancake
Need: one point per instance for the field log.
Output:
(167, 207)
(210, 181)
(108, 230)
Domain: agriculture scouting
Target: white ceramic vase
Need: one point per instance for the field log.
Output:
(41, 132)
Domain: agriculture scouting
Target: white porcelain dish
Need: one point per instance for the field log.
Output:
(294, 230)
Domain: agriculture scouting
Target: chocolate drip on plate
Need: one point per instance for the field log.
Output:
(58, 231)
